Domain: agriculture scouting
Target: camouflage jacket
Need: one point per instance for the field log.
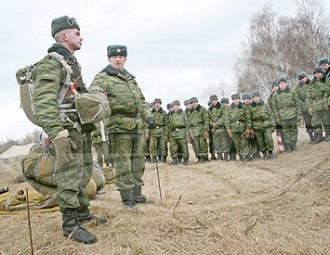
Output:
(301, 90)
(286, 105)
(126, 100)
(198, 121)
(317, 94)
(49, 76)
(261, 116)
(177, 123)
(161, 122)
(217, 116)
(237, 118)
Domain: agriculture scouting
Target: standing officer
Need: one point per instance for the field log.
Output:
(198, 122)
(124, 130)
(159, 134)
(72, 142)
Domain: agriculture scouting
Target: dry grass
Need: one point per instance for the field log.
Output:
(260, 207)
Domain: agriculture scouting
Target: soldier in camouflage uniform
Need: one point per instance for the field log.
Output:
(146, 142)
(124, 130)
(226, 147)
(198, 125)
(301, 90)
(238, 125)
(317, 103)
(159, 134)
(177, 124)
(252, 141)
(263, 124)
(72, 145)
(287, 112)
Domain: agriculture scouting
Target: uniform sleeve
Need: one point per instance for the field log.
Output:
(47, 76)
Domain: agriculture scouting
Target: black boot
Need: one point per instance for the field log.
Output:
(85, 216)
(185, 162)
(226, 156)
(73, 230)
(318, 138)
(175, 161)
(287, 147)
(327, 136)
(205, 159)
(264, 155)
(311, 137)
(139, 198)
(148, 159)
(220, 156)
(270, 155)
(163, 159)
(213, 156)
(232, 156)
(126, 198)
(199, 160)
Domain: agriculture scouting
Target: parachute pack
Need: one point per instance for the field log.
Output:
(90, 107)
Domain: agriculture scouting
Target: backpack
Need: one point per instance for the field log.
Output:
(91, 107)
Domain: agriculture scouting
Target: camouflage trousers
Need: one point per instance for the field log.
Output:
(241, 143)
(146, 147)
(179, 148)
(221, 141)
(201, 146)
(158, 146)
(321, 119)
(128, 157)
(308, 122)
(289, 131)
(264, 139)
(253, 146)
(73, 177)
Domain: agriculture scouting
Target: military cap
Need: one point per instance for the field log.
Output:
(224, 100)
(169, 106)
(186, 102)
(274, 84)
(323, 61)
(282, 79)
(213, 97)
(302, 75)
(176, 102)
(235, 96)
(62, 23)
(255, 94)
(193, 100)
(117, 50)
(318, 69)
(246, 96)
(157, 100)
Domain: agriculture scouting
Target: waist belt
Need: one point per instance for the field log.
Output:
(131, 115)
(178, 128)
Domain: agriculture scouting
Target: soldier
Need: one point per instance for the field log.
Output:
(238, 125)
(177, 123)
(263, 124)
(325, 64)
(301, 90)
(252, 141)
(226, 146)
(198, 123)
(287, 112)
(125, 134)
(159, 134)
(146, 142)
(211, 145)
(317, 103)
(72, 142)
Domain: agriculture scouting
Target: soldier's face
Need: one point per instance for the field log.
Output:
(325, 67)
(214, 102)
(318, 75)
(157, 105)
(117, 62)
(73, 39)
(304, 80)
(256, 99)
(283, 85)
(236, 101)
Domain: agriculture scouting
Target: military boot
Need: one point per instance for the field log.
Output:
(318, 138)
(226, 156)
(85, 216)
(241, 158)
(163, 159)
(311, 137)
(232, 156)
(174, 161)
(287, 147)
(73, 230)
(220, 156)
(327, 136)
(185, 162)
(139, 198)
(205, 159)
(213, 156)
(127, 200)
(148, 159)
(264, 155)
(270, 155)
(199, 159)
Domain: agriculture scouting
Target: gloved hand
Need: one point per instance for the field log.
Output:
(151, 123)
(310, 111)
(248, 133)
(63, 147)
(299, 117)
(206, 135)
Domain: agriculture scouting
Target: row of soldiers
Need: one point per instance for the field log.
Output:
(243, 127)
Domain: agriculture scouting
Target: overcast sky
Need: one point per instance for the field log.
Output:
(175, 47)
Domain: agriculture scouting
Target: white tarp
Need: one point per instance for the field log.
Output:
(16, 150)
